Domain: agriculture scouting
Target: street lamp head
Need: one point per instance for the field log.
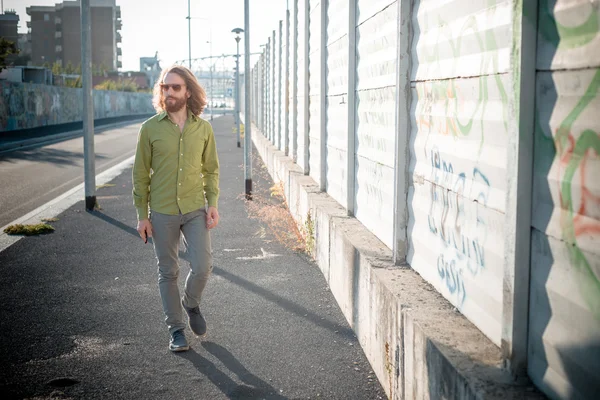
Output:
(237, 31)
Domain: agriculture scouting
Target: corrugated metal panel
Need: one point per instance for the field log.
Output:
(368, 8)
(564, 342)
(280, 103)
(276, 92)
(456, 206)
(337, 100)
(564, 356)
(268, 88)
(315, 90)
(337, 67)
(376, 50)
(460, 38)
(337, 20)
(337, 144)
(302, 43)
(275, 87)
(286, 86)
(375, 122)
(293, 70)
(568, 34)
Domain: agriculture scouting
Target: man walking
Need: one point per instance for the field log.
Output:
(175, 191)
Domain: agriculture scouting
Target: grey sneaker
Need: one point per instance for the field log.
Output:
(197, 321)
(178, 341)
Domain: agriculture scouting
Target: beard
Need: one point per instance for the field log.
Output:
(174, 106)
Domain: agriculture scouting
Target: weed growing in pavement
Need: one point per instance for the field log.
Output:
(28, 230)
(271, 207)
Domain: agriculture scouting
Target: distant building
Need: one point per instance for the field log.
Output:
(22, 74)
(9, 23)
(151, 67)
(56, 33)
(24, 44)
(42, 30)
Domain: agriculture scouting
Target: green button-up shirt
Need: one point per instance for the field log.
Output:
(174, 171)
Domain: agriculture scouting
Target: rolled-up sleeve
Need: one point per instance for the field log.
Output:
(210, 170)
(141, 174)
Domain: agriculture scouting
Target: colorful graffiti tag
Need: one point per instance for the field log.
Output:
(575, 146)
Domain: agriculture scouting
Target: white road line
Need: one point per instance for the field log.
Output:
(61, 203)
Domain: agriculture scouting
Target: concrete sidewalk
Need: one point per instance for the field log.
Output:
(82, 318)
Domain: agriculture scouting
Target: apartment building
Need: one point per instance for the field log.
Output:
(56, 33)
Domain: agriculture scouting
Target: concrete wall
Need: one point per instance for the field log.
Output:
(564, 330)
(408, 126)
(24, 106)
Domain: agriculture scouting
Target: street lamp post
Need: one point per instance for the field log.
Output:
(211, 77)
(247, 122)
(237, 31)
(189, 18)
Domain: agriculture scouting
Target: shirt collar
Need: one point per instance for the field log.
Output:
(191, 115)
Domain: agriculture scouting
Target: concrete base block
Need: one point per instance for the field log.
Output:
(418, 344)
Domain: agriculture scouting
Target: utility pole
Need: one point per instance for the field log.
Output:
(88, 106)
(247, 122)
(189, 18)
(237, 31)
(211, 76)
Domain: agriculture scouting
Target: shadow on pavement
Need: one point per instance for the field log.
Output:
(47, 155)
(259, 388)
(117, 223)
(285, 303)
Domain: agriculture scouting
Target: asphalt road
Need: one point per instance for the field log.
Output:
(33, 176)
(81, 316)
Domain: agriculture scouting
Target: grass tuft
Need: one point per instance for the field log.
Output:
(105, 185)
(28, 230)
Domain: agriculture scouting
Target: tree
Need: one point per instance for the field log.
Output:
(6, 48)
(69, 70)
(57, 68)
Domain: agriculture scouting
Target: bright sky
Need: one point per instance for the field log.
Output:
(162, 25)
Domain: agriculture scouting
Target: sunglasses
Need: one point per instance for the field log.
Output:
(176, 87)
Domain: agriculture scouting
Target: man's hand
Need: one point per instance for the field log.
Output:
(212, 217)
(144, 228)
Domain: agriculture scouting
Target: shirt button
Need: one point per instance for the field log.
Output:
(178, 198)
(181, 169)
(181, 140)
(180, 184)
(181, 153)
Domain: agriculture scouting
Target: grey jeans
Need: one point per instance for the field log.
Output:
(166, 230)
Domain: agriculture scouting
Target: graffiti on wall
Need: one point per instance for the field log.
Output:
(462, 97)
(575, 146)
(25, 106)
(456, 220)
(577, 154)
